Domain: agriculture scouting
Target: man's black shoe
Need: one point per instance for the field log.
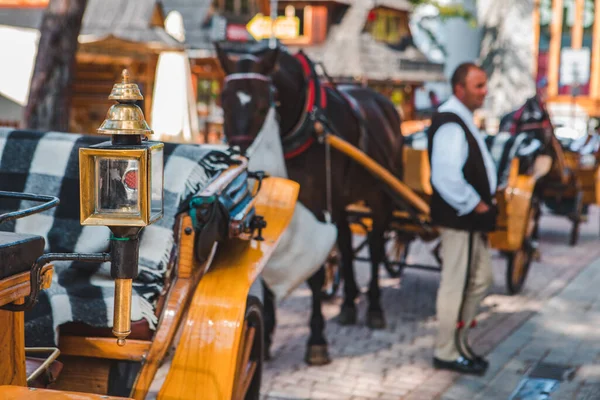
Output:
(480, 360)
(476, 357)
(462, 365)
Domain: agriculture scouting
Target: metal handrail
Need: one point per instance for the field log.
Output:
(36, 271)
(47, 362)
(49, 202)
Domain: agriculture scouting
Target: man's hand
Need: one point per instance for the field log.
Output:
(481, 208)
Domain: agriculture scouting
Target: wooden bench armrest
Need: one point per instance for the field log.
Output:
(22, 393)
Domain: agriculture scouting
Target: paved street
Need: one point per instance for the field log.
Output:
(395, 363)
(563, 333)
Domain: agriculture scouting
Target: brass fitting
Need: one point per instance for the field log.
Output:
(122, 310)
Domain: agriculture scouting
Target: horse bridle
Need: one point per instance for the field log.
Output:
(245, 76)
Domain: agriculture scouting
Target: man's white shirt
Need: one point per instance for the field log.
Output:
(449, 154)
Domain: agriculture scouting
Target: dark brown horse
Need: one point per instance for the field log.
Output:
(258, 79)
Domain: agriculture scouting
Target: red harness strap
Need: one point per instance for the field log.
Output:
(513, 128)
(311, 97)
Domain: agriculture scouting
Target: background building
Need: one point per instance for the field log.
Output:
(115, 34)
(502, 41)
(367, 42)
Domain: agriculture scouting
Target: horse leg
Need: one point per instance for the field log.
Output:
(269, 319)
(347, 314)
(375, 317)
(317, 352)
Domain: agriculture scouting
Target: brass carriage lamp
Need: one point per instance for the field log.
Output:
(121, 184)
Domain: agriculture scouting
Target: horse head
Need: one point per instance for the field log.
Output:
(247, 94)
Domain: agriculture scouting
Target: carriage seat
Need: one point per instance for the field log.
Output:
(417, 171)
(47, 163)
(229, 188)
(18, 252)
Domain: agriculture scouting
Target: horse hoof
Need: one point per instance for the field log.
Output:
(375, 319)
(267, 350)
(317, 354)
(347, 315)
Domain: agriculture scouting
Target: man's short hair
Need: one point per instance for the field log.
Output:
(460, 73)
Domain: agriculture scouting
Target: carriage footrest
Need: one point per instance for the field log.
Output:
(41, 372)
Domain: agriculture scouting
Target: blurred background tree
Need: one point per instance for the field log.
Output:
(444, 12)
(49, 95)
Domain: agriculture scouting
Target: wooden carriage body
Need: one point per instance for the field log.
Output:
(515, 219)
(579, 188)
(209, 334)
(515, 223)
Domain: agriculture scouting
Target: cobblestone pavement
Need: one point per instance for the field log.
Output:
(395, 363)
(563, 333)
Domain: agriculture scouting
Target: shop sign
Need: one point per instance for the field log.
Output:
(287, 27)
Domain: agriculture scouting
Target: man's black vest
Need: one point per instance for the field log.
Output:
(474, 171)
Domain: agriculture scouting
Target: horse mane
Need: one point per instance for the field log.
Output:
(290, 83)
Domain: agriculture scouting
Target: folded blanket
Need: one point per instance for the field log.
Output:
(307, 242)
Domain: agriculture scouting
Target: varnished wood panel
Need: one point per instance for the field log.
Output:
(413, 126)
(188, 275)
(87, 375)
(594, 77)
(22, 393)
(536, 36)
(185, 263)
(17, 286)
(591, 105)
(379, 172)
(514, 204)
(103, 347)
(12, 331)
(206, 357)
(554, 51)
(12, 349)
(171, 319)
(577, 28)
(417, 172)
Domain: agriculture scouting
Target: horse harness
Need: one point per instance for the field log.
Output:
(313, 121)
(313, 124)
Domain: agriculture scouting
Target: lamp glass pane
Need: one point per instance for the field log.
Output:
(117, 186)
(156, 183)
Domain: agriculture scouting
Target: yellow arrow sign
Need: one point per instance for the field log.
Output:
(285, 27)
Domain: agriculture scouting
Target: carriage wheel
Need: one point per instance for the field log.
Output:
(395, 255)
(517, 269)
(333, 276)
(250, 353)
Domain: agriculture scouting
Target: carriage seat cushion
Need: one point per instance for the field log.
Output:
(48, 163)
(18, 252)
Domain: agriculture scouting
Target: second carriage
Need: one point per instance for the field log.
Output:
(517, 204)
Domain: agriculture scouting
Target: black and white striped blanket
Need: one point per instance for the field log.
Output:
(47, 163)
(503, 148)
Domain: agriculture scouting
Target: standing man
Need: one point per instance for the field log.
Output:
(464, 178)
